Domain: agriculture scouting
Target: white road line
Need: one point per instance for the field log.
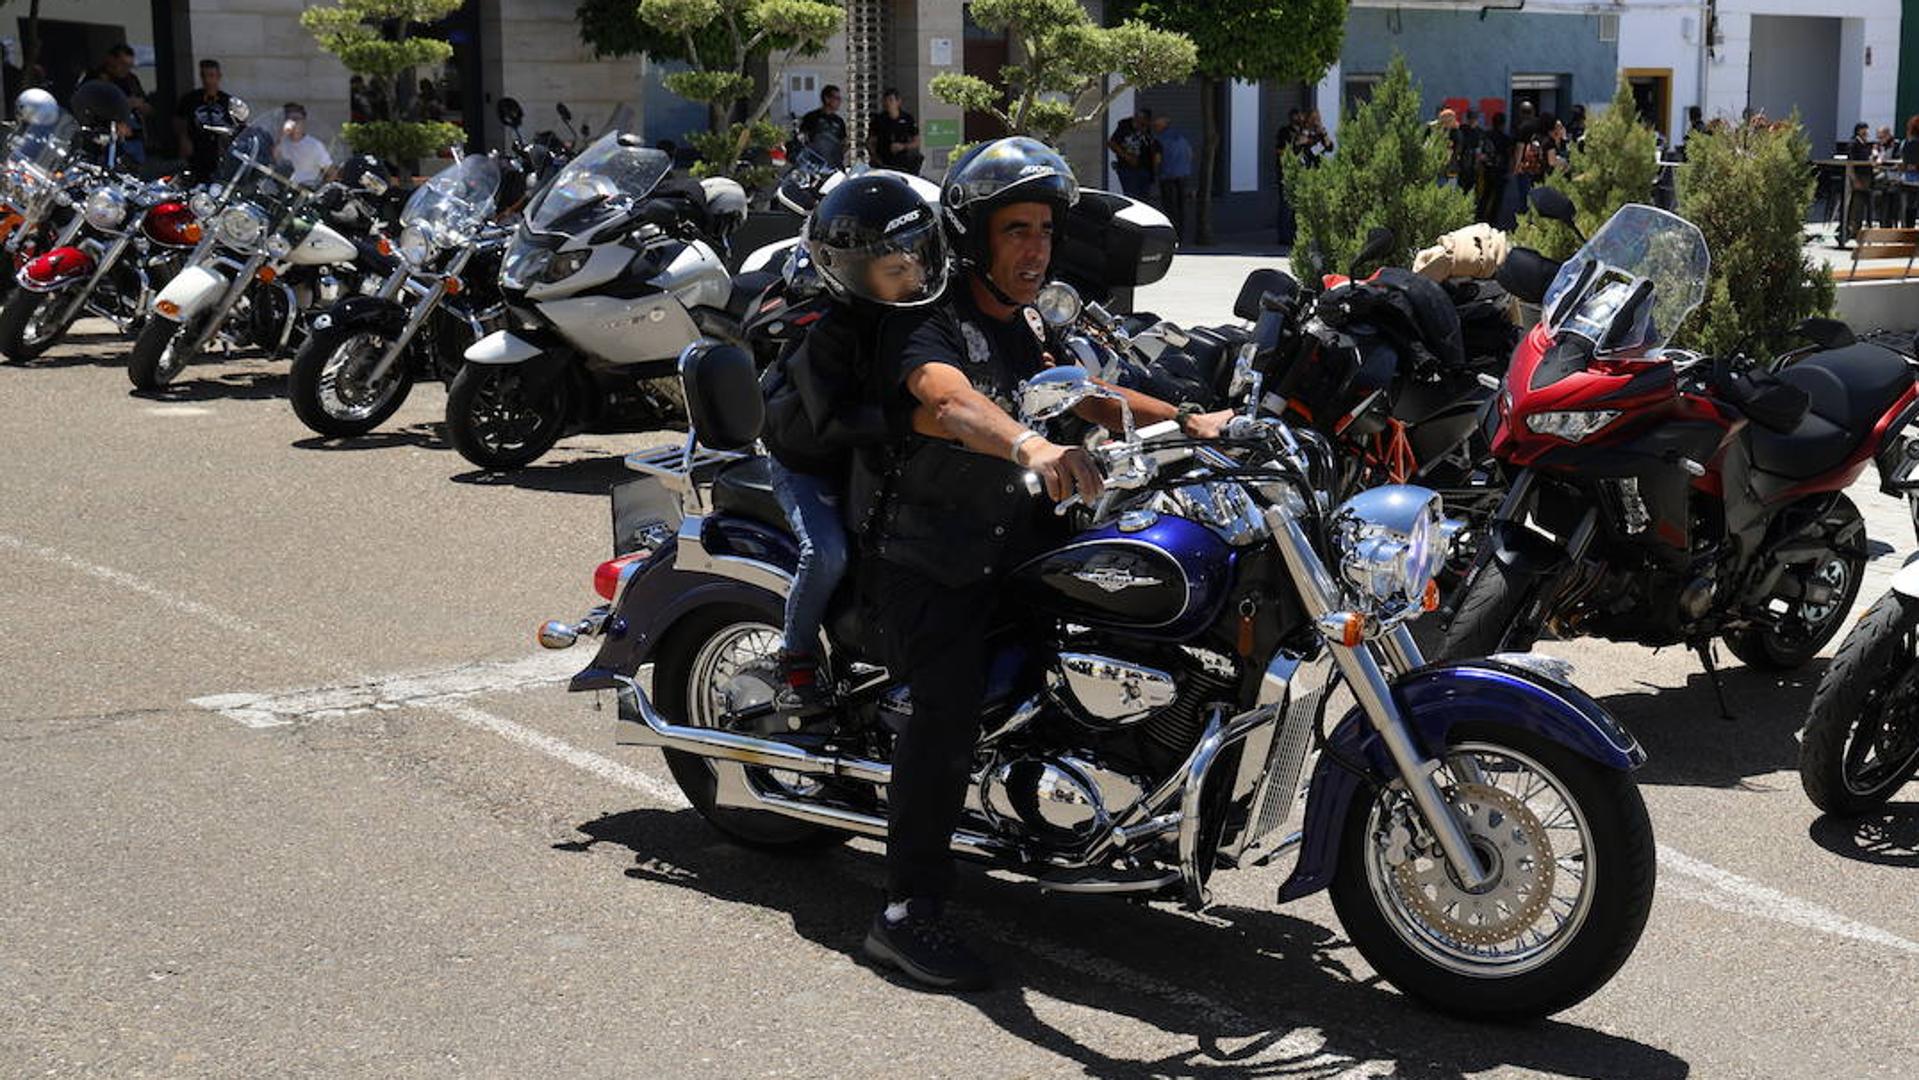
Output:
(663, 792)
(132, 583)
(1707, 884)
(392, 691)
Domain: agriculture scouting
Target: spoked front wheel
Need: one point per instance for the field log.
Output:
(1571, 852)
(1861, 742)
(332, 386)
(160, 353)
(31, 323)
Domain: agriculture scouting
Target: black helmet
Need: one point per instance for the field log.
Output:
(97, 103)
(1000, 173)
(869, 218)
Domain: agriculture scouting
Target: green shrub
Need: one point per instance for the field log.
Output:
(1748, 189)
(374, 38)
(1614, 165)
(1384, 174)
(402, 141)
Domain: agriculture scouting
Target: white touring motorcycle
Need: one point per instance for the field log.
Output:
(614, 270)
(268, 256)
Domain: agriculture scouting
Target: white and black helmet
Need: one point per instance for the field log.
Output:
(870, 217)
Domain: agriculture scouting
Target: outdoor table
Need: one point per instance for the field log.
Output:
(1846, 166)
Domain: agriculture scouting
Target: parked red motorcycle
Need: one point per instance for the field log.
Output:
(1662, 497)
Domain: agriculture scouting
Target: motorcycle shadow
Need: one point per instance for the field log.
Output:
(227, 386)
(1888, 836)
(1258, 993)
(582, 476)
(1690, 743)
(422, 436)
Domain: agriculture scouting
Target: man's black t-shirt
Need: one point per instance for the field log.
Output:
(953, 515)
(200, 113)
(888, 130)
(825, 134)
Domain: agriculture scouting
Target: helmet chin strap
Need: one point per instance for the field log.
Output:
(992, 286)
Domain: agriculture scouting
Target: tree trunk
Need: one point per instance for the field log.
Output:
(1208, 154)
(30, 58)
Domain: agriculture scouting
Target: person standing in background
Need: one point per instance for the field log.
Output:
(1131, 144)
(117, 68)
(1285, 159)
(1495, 162)
(895, 136)
(307, 157)
(1175, 169)
(198, 112)
(823, 130)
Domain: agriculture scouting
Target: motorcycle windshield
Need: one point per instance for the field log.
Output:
(457, 200)
(250, 164)
(42, 146)
(1602, 293)
(605, 181)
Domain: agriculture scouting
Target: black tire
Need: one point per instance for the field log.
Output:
(1621, 861)
(332, 406)
(1488, 620)
(1793, 646)
(152, 364)
(15, 317)
(481, 437)
(1867, 702)
(672, 675)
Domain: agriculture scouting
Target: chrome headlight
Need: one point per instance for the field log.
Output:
(523, 263)
(278, 246)
(1570, 426)
(202, 204)
(416, 245)
(242, 226)
(565, 265)
(106, 209)
(1391, 541)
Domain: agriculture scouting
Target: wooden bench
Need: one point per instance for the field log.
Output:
(1881, 244)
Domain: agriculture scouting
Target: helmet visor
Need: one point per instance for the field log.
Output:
(906, 269)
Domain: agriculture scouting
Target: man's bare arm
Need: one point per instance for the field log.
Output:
(951, 409)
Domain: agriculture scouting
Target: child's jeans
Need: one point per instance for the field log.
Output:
(812, 505)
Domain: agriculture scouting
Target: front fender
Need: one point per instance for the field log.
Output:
(502, 347)
(191, 290)
(1906, 581)
(1524, 550)
(1433, 700)
(369, 312)
(61, 266)
(661, 594)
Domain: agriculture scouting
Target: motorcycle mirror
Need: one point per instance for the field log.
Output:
(566, 114)
(1058, 303)
(239, 110)
(1258, 284)
(1054, 391)
(1826, 333)
(1552, 204)
(1379, 243)
(373, 183)
(510, 112)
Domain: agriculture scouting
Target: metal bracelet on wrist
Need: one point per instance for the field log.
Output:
(1020, 440)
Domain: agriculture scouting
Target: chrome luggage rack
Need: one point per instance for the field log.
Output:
(686, 470)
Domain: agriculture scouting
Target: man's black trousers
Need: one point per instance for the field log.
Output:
(934, 639)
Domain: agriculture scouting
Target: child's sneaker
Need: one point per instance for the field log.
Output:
(803, 691)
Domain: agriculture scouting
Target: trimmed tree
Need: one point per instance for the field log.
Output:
(1617, 163)
(1060, 81)
(1291, 41)
(1385, 174)
(1748, 189)
(355, 31)
(723, 41)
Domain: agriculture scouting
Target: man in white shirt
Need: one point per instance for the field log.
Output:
(308, 158)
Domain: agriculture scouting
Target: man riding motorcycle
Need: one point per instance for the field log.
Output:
(952, 515)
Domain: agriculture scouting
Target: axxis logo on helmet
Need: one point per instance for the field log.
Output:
(1039, 168)
(917, 214)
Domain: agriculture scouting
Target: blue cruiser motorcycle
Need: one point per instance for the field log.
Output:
(1161, 709)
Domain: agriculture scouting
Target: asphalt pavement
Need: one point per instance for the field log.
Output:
(286, 789)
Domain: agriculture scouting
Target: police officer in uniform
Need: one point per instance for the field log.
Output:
(954, 516)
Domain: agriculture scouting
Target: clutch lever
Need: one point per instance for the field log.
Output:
(1035, 486)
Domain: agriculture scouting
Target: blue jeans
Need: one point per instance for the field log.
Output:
(812, 505)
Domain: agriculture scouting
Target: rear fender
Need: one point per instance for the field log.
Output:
(661, 593)
(364, 312)
(59, 267)
(1906, 581)
(1434, 700)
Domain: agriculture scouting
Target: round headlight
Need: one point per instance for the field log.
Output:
(1058, 303)
(242, 226)
(202, 204)
(106, 208)
(415, 245)
(278, 246)
(1391, 542)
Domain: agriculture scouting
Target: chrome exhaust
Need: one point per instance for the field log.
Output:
(656, 730)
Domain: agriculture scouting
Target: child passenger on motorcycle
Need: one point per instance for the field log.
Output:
(877, 246)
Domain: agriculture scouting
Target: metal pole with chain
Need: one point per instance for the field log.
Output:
(865, 39)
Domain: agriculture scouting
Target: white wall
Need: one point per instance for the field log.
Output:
(1653, 34)
(1796, 66)
(267, 58)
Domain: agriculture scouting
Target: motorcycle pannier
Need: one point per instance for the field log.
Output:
(1112, 242)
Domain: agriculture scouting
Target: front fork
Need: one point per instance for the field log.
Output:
(243, 276)
(417, 317)
(1368, 681)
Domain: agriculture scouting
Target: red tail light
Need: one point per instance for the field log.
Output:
(611, 574)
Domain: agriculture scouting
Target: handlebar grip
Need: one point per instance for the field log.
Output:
(1034, 485)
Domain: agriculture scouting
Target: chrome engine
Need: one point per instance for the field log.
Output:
(1059, 800)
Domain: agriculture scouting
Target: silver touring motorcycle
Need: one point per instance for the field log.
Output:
(1161, 710)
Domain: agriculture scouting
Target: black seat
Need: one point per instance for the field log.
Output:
(746, 290)
(745, 487)
(1850, 389)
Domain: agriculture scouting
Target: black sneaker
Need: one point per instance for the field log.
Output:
(802, 693)
(927, 951)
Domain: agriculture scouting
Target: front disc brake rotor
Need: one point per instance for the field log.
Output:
(1509, 836)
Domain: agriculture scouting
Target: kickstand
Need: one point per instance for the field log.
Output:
(1704, 648)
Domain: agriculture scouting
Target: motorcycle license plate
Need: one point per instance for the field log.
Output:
(645, 513)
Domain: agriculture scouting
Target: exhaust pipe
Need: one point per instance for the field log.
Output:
(656, 730)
